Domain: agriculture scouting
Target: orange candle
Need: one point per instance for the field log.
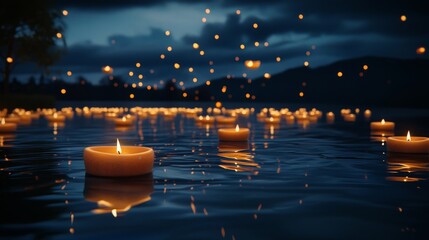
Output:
(225, 120)
(123, 122)
(330, 117)
(272, 120)
(206, 119)
(56, 118)
(349, 117)
(382, 126)
(234, 134)
(408, 144)
(7, 127)
(126, 161)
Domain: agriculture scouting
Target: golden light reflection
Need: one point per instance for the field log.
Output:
(407, 167)
(237, 158)
(117, 196)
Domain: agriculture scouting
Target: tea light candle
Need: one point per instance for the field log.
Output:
(126, 161)
(330, 117)
(123, 122)
(350, 117)
(206, 119)
(367, 113)
(408, 144)
(272, 120)
(225, 120)
(56, 118)
(7, 127)
(234, 134)
(382, 126)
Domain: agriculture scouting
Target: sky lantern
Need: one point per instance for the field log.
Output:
(252, 64)
(107, 69)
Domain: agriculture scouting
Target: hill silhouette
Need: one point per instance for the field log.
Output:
(383, 82)
(386, 81)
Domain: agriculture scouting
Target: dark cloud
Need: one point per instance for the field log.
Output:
(100, 5)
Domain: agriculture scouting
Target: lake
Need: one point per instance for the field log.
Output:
(301, 180)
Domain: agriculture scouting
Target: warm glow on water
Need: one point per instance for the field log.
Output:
(297, 166)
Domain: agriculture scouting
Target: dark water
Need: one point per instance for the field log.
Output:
(315, 181)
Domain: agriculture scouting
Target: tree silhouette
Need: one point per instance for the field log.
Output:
(29, 32)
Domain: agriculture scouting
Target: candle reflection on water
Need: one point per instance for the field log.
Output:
(238, 157)
(407, 167)
(117, 195)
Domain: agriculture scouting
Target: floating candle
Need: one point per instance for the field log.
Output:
(349, 117)
(408, 144)
(382, 126)
(110, 161)
(225, 120)
(330, 117)
(56, 118)
(233, 134)
(7, 127)
(367, 113)
(272, 120)
(123, 122)
(206, 119)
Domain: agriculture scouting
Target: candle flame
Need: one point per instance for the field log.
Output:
(408, 137)
(114, 213)
(3, 121)
(271, 119)
(118, 147)
(382, 121)
(200, 117)
(237, 128)
(124, 119)
(207, 117)
(55, 115)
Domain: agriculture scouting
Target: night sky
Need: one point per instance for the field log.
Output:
(123, 33)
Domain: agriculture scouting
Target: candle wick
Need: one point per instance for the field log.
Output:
(119, 152)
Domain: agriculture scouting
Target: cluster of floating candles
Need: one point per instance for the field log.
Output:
(117, 161)
(399, 144)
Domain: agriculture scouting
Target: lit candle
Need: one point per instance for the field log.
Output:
(123, 122)
(110, 161)
(272, 120)
(12, 118)
(56, 118)
(367, 113)
(234, 134)
(7, 127)
(408, 144)
(206, 119)
(349, 117)
(225, 120)
(382, 126)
